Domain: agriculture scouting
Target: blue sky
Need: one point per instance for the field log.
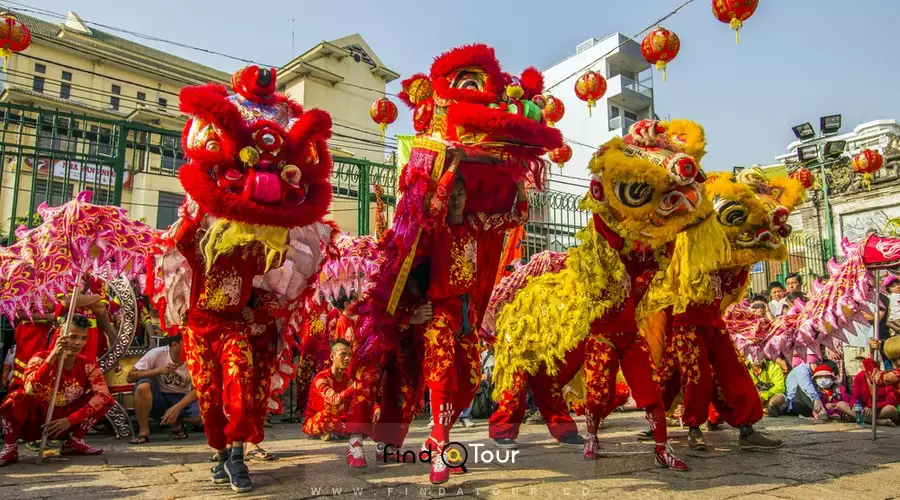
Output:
(798, 59)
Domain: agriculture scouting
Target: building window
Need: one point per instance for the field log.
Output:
(613, 111)
(65, 86)
(60, 134)
(630, 116)
(167, 208)
(169, 154)
(100, 141)
(38, 84)
(163, 102)
(40, 68)
(114, 100)
(141, 96)
(60, 192)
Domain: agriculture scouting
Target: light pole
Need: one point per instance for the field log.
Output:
(809, 151)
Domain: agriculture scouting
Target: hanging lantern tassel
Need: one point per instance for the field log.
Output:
(5, 53)
(383, 127)
(661, 66)
(736, 24)
(867, 181)
(591, 104)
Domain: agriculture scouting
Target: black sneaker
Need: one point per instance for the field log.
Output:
(646, 435)
(573, 438)
(506, 443)
(238, 473)
(218, 471)
(773, 411)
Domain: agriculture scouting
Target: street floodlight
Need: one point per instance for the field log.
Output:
(830, 124)
(834, 149)
(738, 170)
(804, 132)
(807, 153)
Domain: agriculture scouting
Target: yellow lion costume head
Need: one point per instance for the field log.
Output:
(753, 211)
(647, 186)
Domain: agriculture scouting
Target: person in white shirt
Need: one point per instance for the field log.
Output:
(776, 294)
(163, 389)
(891, 286)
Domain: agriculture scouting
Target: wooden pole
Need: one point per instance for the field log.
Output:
(59, 367)
(876, 357)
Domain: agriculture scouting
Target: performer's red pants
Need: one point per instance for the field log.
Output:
(708, 358)
(398, 380)
(604, 353)
(401, 393)
(265, 348)
(220, 360)
(324, 422)
(23, 416)
(547, 392)
(452, 368)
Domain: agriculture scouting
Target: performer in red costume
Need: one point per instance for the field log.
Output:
(698, 345)
(257, 185)
(82, 400)
(31, 337)
(330, 394)
(94, 305)
(454, 213)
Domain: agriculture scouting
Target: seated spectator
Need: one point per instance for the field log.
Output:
(82, 400)
(482, 405)
(793, 283)
(891, 286)
(163, 390)
(834, 397)
(776, 294)
(802, 397)
(886, 400)
(329, 396)
(769, 381)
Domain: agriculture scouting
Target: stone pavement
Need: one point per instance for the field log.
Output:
(818, 461)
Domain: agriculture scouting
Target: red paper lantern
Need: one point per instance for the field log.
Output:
(561, 155)
(659, 47)
(734, 13)
(590, 87)
(866, 163)
(383, 112)
(554, 110)
(14, 36)
(804, 176)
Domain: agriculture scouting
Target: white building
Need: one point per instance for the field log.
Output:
(875, 135)
(628, 98)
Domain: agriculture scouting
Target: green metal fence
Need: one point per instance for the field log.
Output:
(806, 257)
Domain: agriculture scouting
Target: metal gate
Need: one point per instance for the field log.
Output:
(806, 257)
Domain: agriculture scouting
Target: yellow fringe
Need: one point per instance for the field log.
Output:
(223, 236)
(553, 313)
(687, 135)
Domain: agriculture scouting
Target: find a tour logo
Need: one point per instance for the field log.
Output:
(455, 455)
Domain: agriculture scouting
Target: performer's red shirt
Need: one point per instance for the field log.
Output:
(326, 393)
(83, 378)
(227, 286)
(453, 248)
(640, 267)
(724, 282)
(31, 338)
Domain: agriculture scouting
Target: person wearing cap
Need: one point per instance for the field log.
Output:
(833, 396)
(769, 381)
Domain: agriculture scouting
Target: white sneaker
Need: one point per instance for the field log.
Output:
(466, 422)
(430, 424)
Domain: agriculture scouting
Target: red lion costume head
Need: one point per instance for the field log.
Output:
(255, 156)
(469, 102)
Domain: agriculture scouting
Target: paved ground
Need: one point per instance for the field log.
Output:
(819, 461)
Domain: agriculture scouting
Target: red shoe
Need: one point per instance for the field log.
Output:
(79, 447)
(665, 457)
(591, 448)
(457, 470)
(440, 473)
(356, 456)
(9, 454)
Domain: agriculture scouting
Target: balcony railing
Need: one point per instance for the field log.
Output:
(620, 123)
(628, 83)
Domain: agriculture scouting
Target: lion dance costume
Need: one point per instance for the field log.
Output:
(581, 308)
(247, 244)
(465, 103)
(753, 212)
